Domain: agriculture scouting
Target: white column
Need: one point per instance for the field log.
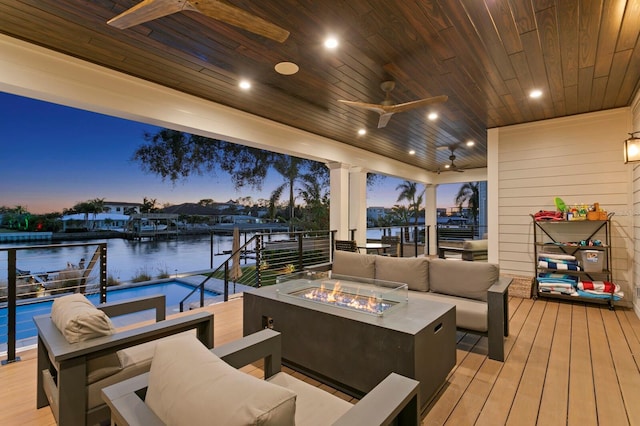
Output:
(358, 203)
(431, 217)
(339, 199)
(493, 207)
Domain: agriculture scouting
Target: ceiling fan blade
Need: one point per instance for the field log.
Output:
(380, 109)
(145, 11)
(240, 18)
(417, 104)
(148, 10)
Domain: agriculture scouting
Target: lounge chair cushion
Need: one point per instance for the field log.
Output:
(190, 385)
(78, 320)
(354, 264)
(413, 271)
(314, 406)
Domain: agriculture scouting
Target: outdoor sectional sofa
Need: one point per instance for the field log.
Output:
(475, 288)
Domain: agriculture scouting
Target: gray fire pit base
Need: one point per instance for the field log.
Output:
(354, 351)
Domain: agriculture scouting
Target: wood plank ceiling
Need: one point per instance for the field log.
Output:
(486, 56)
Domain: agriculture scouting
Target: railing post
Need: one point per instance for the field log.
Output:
(103, 272)
(226, 282)
(259, 259)
(427, 239)
(415, 241)
(300, 248)
(11, 308)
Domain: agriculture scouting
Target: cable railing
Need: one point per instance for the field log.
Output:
(30, 282)
(261, 259)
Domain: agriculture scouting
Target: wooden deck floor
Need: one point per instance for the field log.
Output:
(567, 364)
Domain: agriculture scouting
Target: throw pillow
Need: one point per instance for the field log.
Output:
(78, 320)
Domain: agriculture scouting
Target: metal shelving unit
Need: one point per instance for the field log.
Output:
(564, 237)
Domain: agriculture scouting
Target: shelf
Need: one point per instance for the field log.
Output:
(555, 234)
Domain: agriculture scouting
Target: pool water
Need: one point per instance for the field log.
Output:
(26, 332)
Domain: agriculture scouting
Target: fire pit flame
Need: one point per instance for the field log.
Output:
(336, 296)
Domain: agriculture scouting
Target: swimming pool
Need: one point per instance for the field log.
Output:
(26, 332)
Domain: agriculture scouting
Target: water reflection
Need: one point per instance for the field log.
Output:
(126, 258)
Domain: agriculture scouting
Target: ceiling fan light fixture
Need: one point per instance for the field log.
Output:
(286, 68)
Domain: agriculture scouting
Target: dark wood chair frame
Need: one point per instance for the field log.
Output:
(395, 400)
(62, 366)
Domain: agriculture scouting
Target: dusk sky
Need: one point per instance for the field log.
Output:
(52, 157)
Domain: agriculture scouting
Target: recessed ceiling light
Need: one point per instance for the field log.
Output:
(535, 94)
(286, 68)
(331, 42)
(470, 143)
(446, 166)
(432, 116)
(245, 84)
(412, 152)
(362, 132)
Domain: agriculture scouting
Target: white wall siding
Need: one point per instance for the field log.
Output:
(635, 200)
(578, 159)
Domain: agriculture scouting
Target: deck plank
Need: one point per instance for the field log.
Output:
(553, 406)
(566, 364)
(582, 403)
(609, 403)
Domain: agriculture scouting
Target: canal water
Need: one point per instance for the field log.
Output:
(126, 258)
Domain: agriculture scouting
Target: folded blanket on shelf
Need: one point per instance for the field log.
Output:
(556, 256)
(550, 277)
(599, 286)
(597, 295)
(549, 264)
(558, 289)
(566, 292)
(555, 284)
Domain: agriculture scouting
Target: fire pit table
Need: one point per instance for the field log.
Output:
(350, 333)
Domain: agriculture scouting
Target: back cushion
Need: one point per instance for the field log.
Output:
(354, 264)
(77, 319)
(413, 271)
(464, 279)
(189, 385)
(475, 245)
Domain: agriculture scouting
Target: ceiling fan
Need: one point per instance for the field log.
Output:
(386, 108)
(452, 157)
(148, 10)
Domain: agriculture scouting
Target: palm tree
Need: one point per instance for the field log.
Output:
(409, 192)
(470, 193)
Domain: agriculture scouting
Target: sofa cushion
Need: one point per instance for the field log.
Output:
(413, 271)
(78, 320)
(475, 245)
(189, 385)
(314, 406)
(465, 279)
(354, 264)
(470, 314)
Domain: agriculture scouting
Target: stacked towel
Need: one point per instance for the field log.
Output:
(557, 283)
(561, 262)
(599, 289)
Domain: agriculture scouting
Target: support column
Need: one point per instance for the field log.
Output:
(358, 203)
(339, 199)
(431, 217)
(493, 207)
